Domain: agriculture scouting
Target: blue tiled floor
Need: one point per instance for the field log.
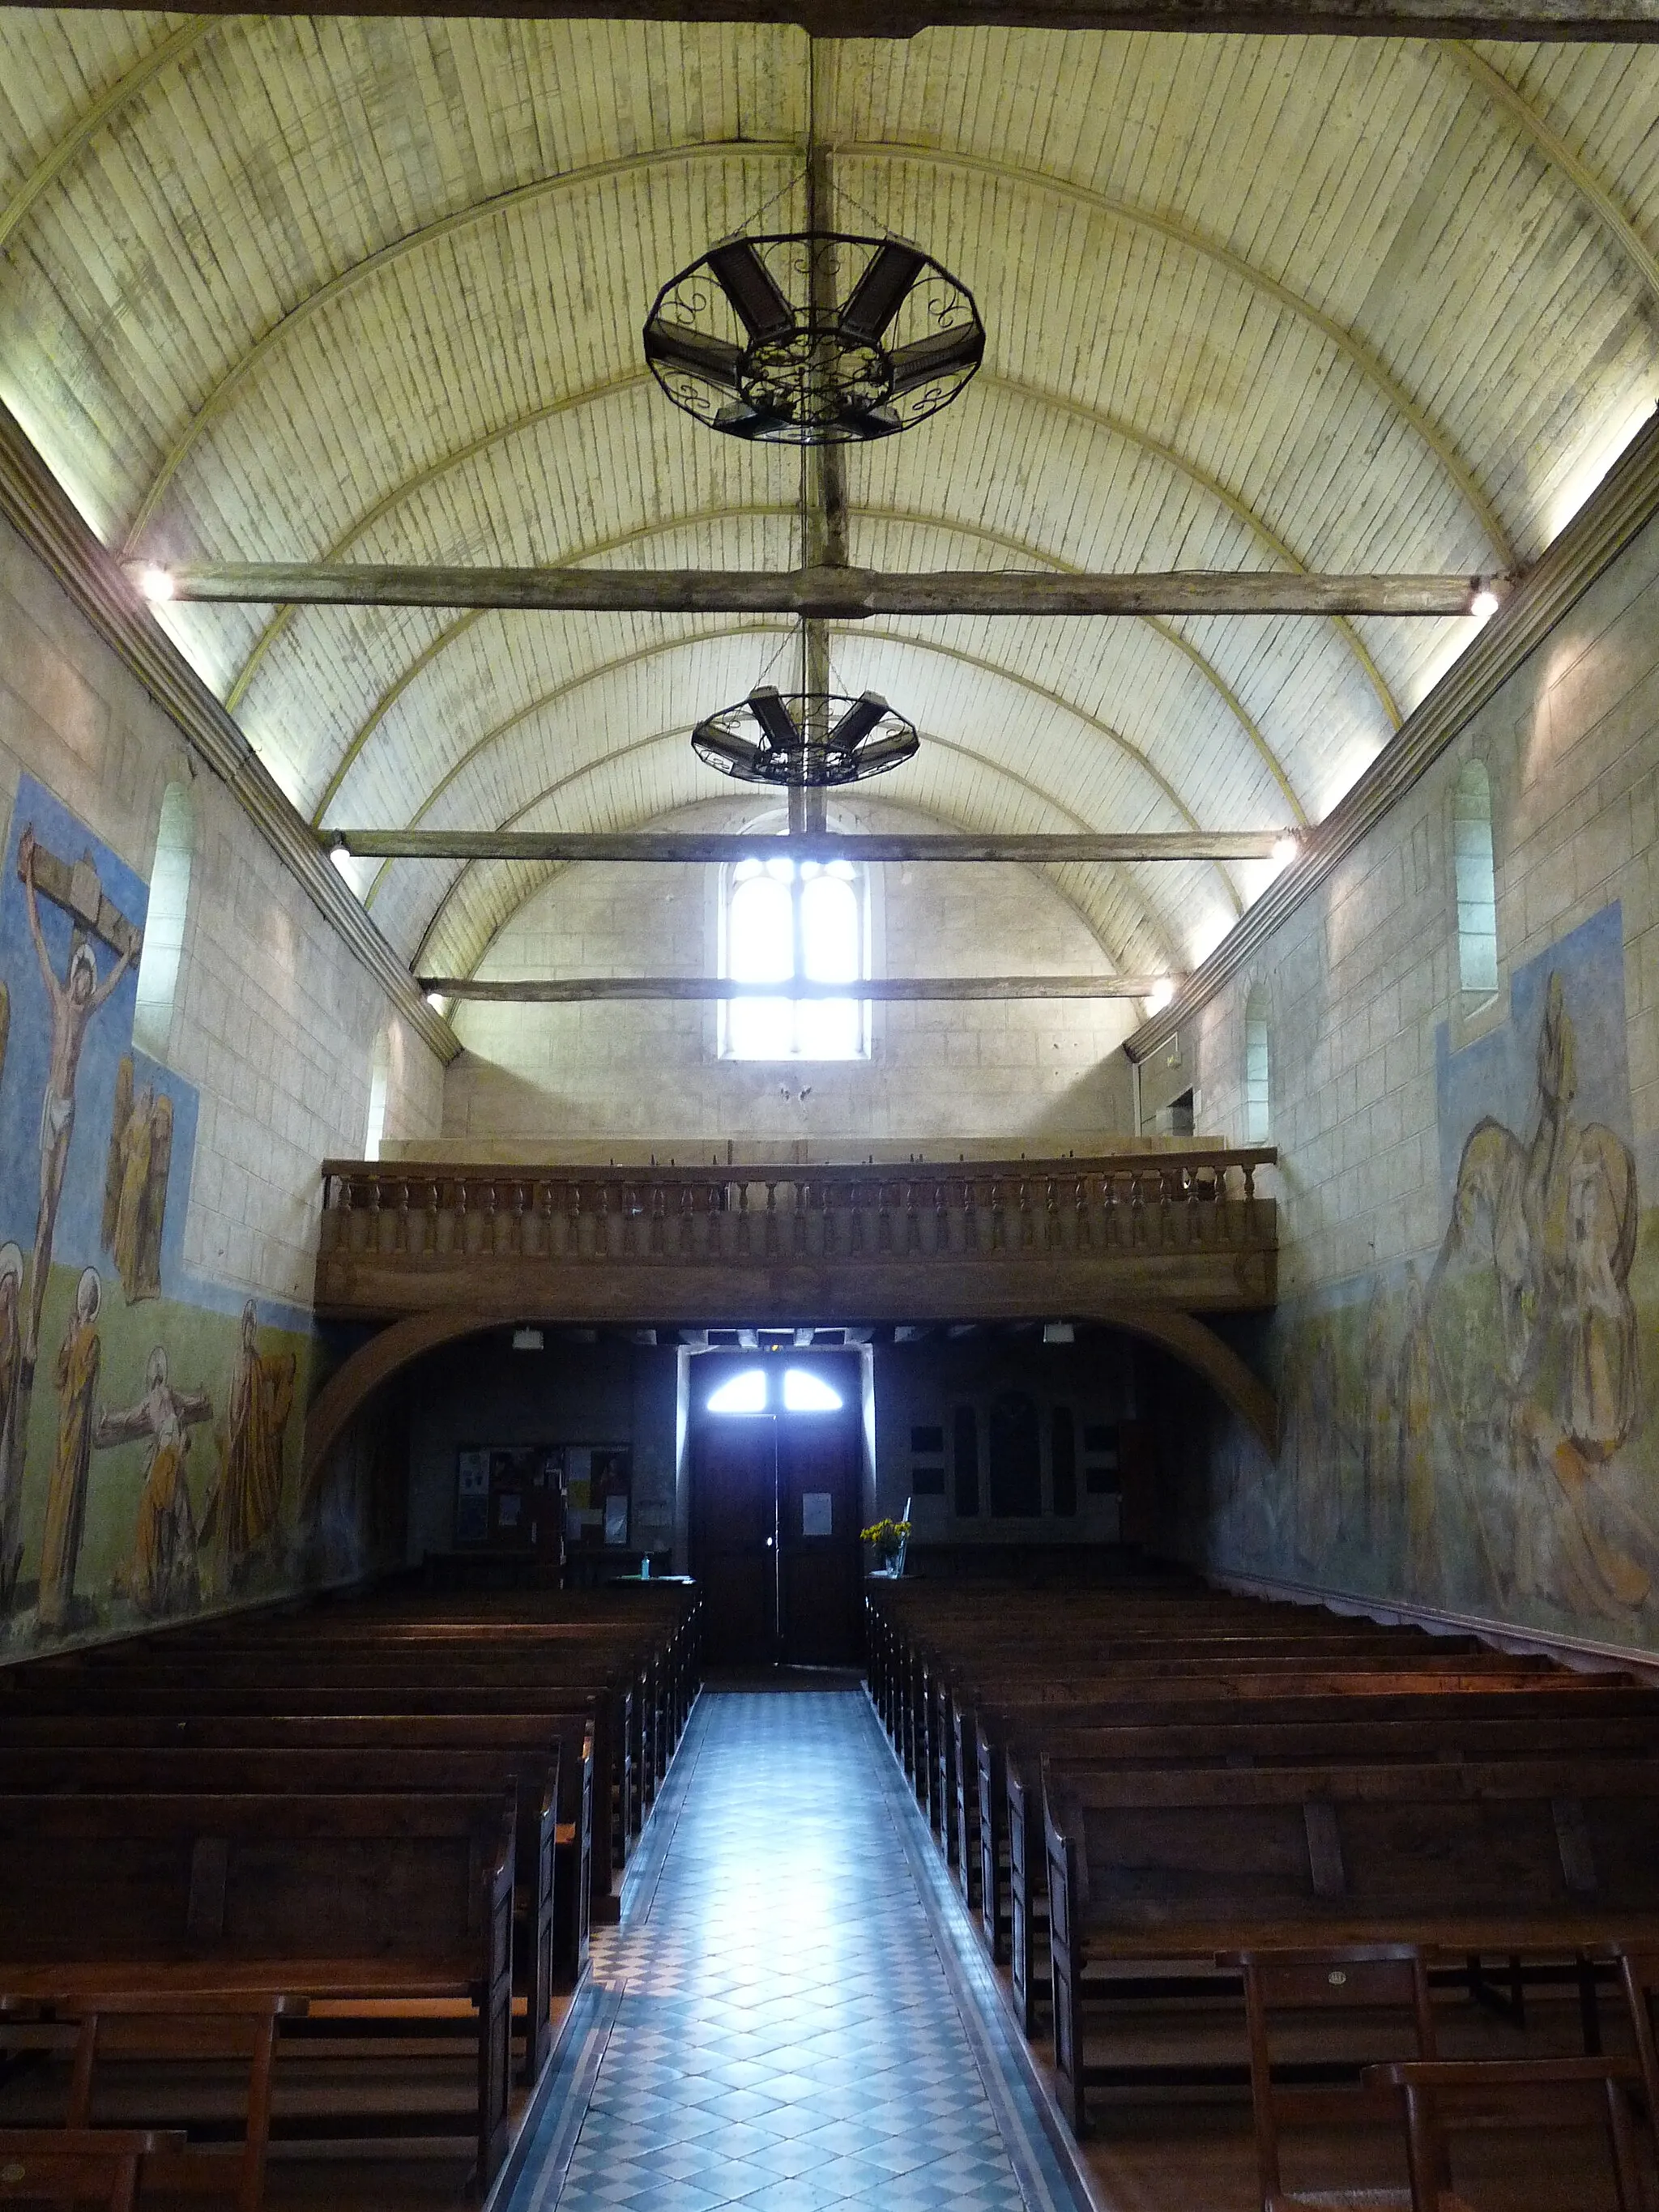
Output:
(774, 2024)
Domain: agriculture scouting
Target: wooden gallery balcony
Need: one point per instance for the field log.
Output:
(1182, 1230)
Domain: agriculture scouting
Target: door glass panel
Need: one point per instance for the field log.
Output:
(806, 1393)
(744, 1394)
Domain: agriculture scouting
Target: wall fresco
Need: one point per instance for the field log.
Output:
(150, 1419)
(1472, 1428)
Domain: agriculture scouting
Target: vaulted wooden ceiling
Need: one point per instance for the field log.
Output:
(294, 288)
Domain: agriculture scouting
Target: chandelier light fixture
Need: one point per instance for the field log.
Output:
(813, 338)
(805, 738)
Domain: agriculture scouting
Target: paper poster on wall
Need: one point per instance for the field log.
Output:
(616, 1520)
(816, 1515)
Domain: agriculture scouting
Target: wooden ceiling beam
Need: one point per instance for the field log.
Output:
(586, 990)
(829, 593)
(1626, 21)
(720, 847)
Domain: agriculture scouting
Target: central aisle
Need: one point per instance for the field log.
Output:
(785, 2019)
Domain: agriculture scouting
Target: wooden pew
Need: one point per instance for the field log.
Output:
(60, 2165)
(389, 1693)
(529, 1743)
(370, 1898)
(1551, 1858)
(103, 1770)
(179, 2030)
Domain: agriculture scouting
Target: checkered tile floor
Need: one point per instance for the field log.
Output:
(773, 2026)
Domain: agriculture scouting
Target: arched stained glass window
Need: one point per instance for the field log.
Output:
(788, 923)
(164, 922)
(1477, 885)
(1258, 1067)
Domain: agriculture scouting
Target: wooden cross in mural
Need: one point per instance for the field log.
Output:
(73, 998)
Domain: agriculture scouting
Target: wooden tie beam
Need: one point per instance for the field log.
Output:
(828, 593)
(579, 990)
(1628, 21)
(723, 846)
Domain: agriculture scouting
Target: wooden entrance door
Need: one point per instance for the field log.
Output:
(734, 1533)
(774, 1517)
(820, 1567)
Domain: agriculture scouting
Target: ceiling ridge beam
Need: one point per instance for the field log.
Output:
(41, 513)
(1623, 505)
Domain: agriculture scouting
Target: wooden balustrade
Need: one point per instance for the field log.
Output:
(1188, 1227)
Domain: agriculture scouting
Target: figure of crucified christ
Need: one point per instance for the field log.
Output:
(74, 999)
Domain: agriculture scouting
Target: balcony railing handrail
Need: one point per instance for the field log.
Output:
(1205, 1160)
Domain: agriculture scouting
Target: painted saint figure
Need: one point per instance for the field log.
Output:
(74, 998)
(163, 1576)
(78, 1358)
(136, 1183)
(245, 1507)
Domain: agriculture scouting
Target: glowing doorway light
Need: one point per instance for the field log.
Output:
(806, 1393)
(744, 1394)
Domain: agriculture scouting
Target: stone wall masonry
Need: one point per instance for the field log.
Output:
(1027, 1072)
(268, 1059)
(1530, 1498)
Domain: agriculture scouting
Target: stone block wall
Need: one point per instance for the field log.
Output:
(1466, 1348)
(1030, 1072)
(168, 1292)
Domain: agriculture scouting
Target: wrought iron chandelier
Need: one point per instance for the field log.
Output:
(813, 338)
(807, 739)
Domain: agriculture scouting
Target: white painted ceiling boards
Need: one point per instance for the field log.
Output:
(290, 288)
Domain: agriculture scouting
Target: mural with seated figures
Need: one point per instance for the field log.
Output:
(149, 1417)
(1472, 1429)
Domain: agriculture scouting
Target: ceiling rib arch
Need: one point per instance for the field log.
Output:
(1557, 153)
(980, 532)
(1354, 349)
(1032, 395)
(547, 871)
(555, 696)
(217, 400)
(1438, 440)
(85, 126)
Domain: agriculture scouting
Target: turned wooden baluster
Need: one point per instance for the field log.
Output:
(1027, 1229)
(970, 1214)
(1136, 1208)
(912, 1220)
(884, 1219)
(687, 1222)
(1051, 1230)
(798, 1230)
(1086, 1228)
(659, 1209)
(941, 1218)
(997, 1223)
(573, 1218)
(744, 1231)
(769, 1241)
(855, 1205)
(372, 1227)
(827, 1217)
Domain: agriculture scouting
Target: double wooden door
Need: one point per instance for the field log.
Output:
(775, 1528)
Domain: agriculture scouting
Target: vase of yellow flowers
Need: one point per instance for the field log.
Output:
(887, 1539)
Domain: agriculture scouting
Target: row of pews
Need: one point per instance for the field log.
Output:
(316, 1881)
(1374, 1876)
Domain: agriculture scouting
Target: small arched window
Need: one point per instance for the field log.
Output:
(788, 924)
(1258, 1066)
(164, 922)
(379, 1072)
(1477, 885)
